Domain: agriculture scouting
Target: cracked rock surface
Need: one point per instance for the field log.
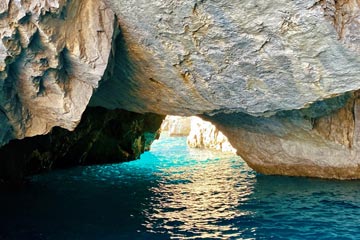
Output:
(256, 57)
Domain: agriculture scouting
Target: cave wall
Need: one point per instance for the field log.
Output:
(52, 55)
(280, 79)
(300, 142)
(103, 136)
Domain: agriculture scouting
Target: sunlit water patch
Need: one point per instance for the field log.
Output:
(175, 192)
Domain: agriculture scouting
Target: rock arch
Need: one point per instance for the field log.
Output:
(280, 79)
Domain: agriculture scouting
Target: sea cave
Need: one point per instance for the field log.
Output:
(185, 119)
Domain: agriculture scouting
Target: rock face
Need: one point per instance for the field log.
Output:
(176, 126)
(300, 143)
(280, 79)
(103, 136)
(258, 58)
(52, 55)
(261, 70)
(203, 134)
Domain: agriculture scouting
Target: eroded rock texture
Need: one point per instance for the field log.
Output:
(300, 143)
(256, 57)
(103, 136)
(52, 55)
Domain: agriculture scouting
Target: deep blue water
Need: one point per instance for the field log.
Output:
(178, 193)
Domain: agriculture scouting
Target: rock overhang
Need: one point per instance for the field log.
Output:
(276, 66)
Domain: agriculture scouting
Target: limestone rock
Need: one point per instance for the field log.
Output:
(176, 125)
(204, 134)
(52, 55)
(279, 78)
(300, 143)
(257, 57)
(199, 133)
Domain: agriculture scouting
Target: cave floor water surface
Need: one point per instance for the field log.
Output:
(174, 192)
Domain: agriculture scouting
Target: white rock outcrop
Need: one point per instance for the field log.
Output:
(176, 125)
(204, 134)
(199, 133)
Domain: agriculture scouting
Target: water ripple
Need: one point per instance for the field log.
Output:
(178, 193)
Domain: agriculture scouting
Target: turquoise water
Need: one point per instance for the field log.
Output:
(174, 192)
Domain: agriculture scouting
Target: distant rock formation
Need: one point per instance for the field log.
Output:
(176, 125)
(204, 134)
(199, 133)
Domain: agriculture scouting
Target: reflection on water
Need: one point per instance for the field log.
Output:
(201, 200)
(174, 192)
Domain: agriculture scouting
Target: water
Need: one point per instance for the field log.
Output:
(177, 193)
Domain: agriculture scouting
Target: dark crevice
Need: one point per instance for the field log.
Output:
(118, 75)
(103, 136)
(26, 19)
(36, 44)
